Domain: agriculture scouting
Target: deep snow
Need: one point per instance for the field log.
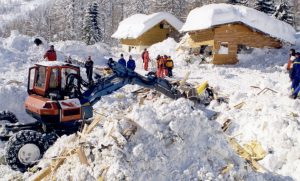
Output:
(174, 139)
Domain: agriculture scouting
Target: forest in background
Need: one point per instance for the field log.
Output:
(96, 20)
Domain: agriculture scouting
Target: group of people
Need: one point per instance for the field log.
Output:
(50, 55)
(164, 64)
(130, 64)
(294, 71)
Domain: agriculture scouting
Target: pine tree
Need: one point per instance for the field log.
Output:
(283, 12)
(91, 28)
(266, 6)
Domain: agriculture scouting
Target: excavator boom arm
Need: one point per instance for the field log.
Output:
(122, 76)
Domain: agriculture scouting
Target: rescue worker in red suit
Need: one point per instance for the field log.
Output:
(50, 55)
(165, 69)
(160, 66)
(146, 59)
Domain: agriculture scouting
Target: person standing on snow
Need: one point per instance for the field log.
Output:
(291, 59)
(122, 61)
(165, 69)
(146, 59)
(89, 69)
(295, 76)
(131, 63)
(50, 55)
(169, 66)
(160, 66)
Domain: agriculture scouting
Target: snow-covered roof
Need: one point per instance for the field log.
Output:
(135, 25)
(52, 63)
(217, 14)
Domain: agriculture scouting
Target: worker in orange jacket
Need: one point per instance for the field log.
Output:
(160, 66)
(165, 69)
(50, 55)
(146, 59)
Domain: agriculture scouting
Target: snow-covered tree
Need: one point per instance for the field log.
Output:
(238, 2)
(266, 6)
(91, 28)
(283, 12)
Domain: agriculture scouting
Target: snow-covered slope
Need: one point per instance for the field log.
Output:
(12, 9)
(217, 14)
(174, 140)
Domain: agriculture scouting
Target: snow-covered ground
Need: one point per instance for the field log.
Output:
(174, 140)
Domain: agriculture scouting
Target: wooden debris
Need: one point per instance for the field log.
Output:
(182, 82)
(266, 90)
(295, 115)
(240, 105)
(82, 157)
(141, 90)
(226, 169)
(55, 164)
(92, 125)
(255, 149)
(247, 156)
(256, 87)
(128, 132)
(226, 125)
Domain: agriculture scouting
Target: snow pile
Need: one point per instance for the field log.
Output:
(173, 141)
(166, 47)
(217, 14)
(271, 118)
(135, 25)
(80, 51)
(169, 47)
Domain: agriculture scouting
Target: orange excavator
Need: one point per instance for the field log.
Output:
(59, 99)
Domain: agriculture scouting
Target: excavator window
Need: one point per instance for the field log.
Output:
(31, 77)
(64, 74)
(40, 77)
(54, 83)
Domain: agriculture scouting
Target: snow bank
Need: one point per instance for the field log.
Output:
(173, 141)
(166, 47)
(170, 47)
(135, 25)
(217, 14)
(80, 51)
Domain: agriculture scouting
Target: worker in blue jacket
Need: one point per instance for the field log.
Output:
(295, 76)
(131, 63)
(122, 61)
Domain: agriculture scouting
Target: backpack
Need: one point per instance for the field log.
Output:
(169, 63)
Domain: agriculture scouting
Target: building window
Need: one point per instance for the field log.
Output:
(223, 48)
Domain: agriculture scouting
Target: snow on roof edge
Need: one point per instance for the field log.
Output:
(218, 14)
(135, 25)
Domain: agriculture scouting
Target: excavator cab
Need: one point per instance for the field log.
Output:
(49, 79)
(49, 100)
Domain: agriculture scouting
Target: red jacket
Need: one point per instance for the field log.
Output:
(50, 55)
(146, 56)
